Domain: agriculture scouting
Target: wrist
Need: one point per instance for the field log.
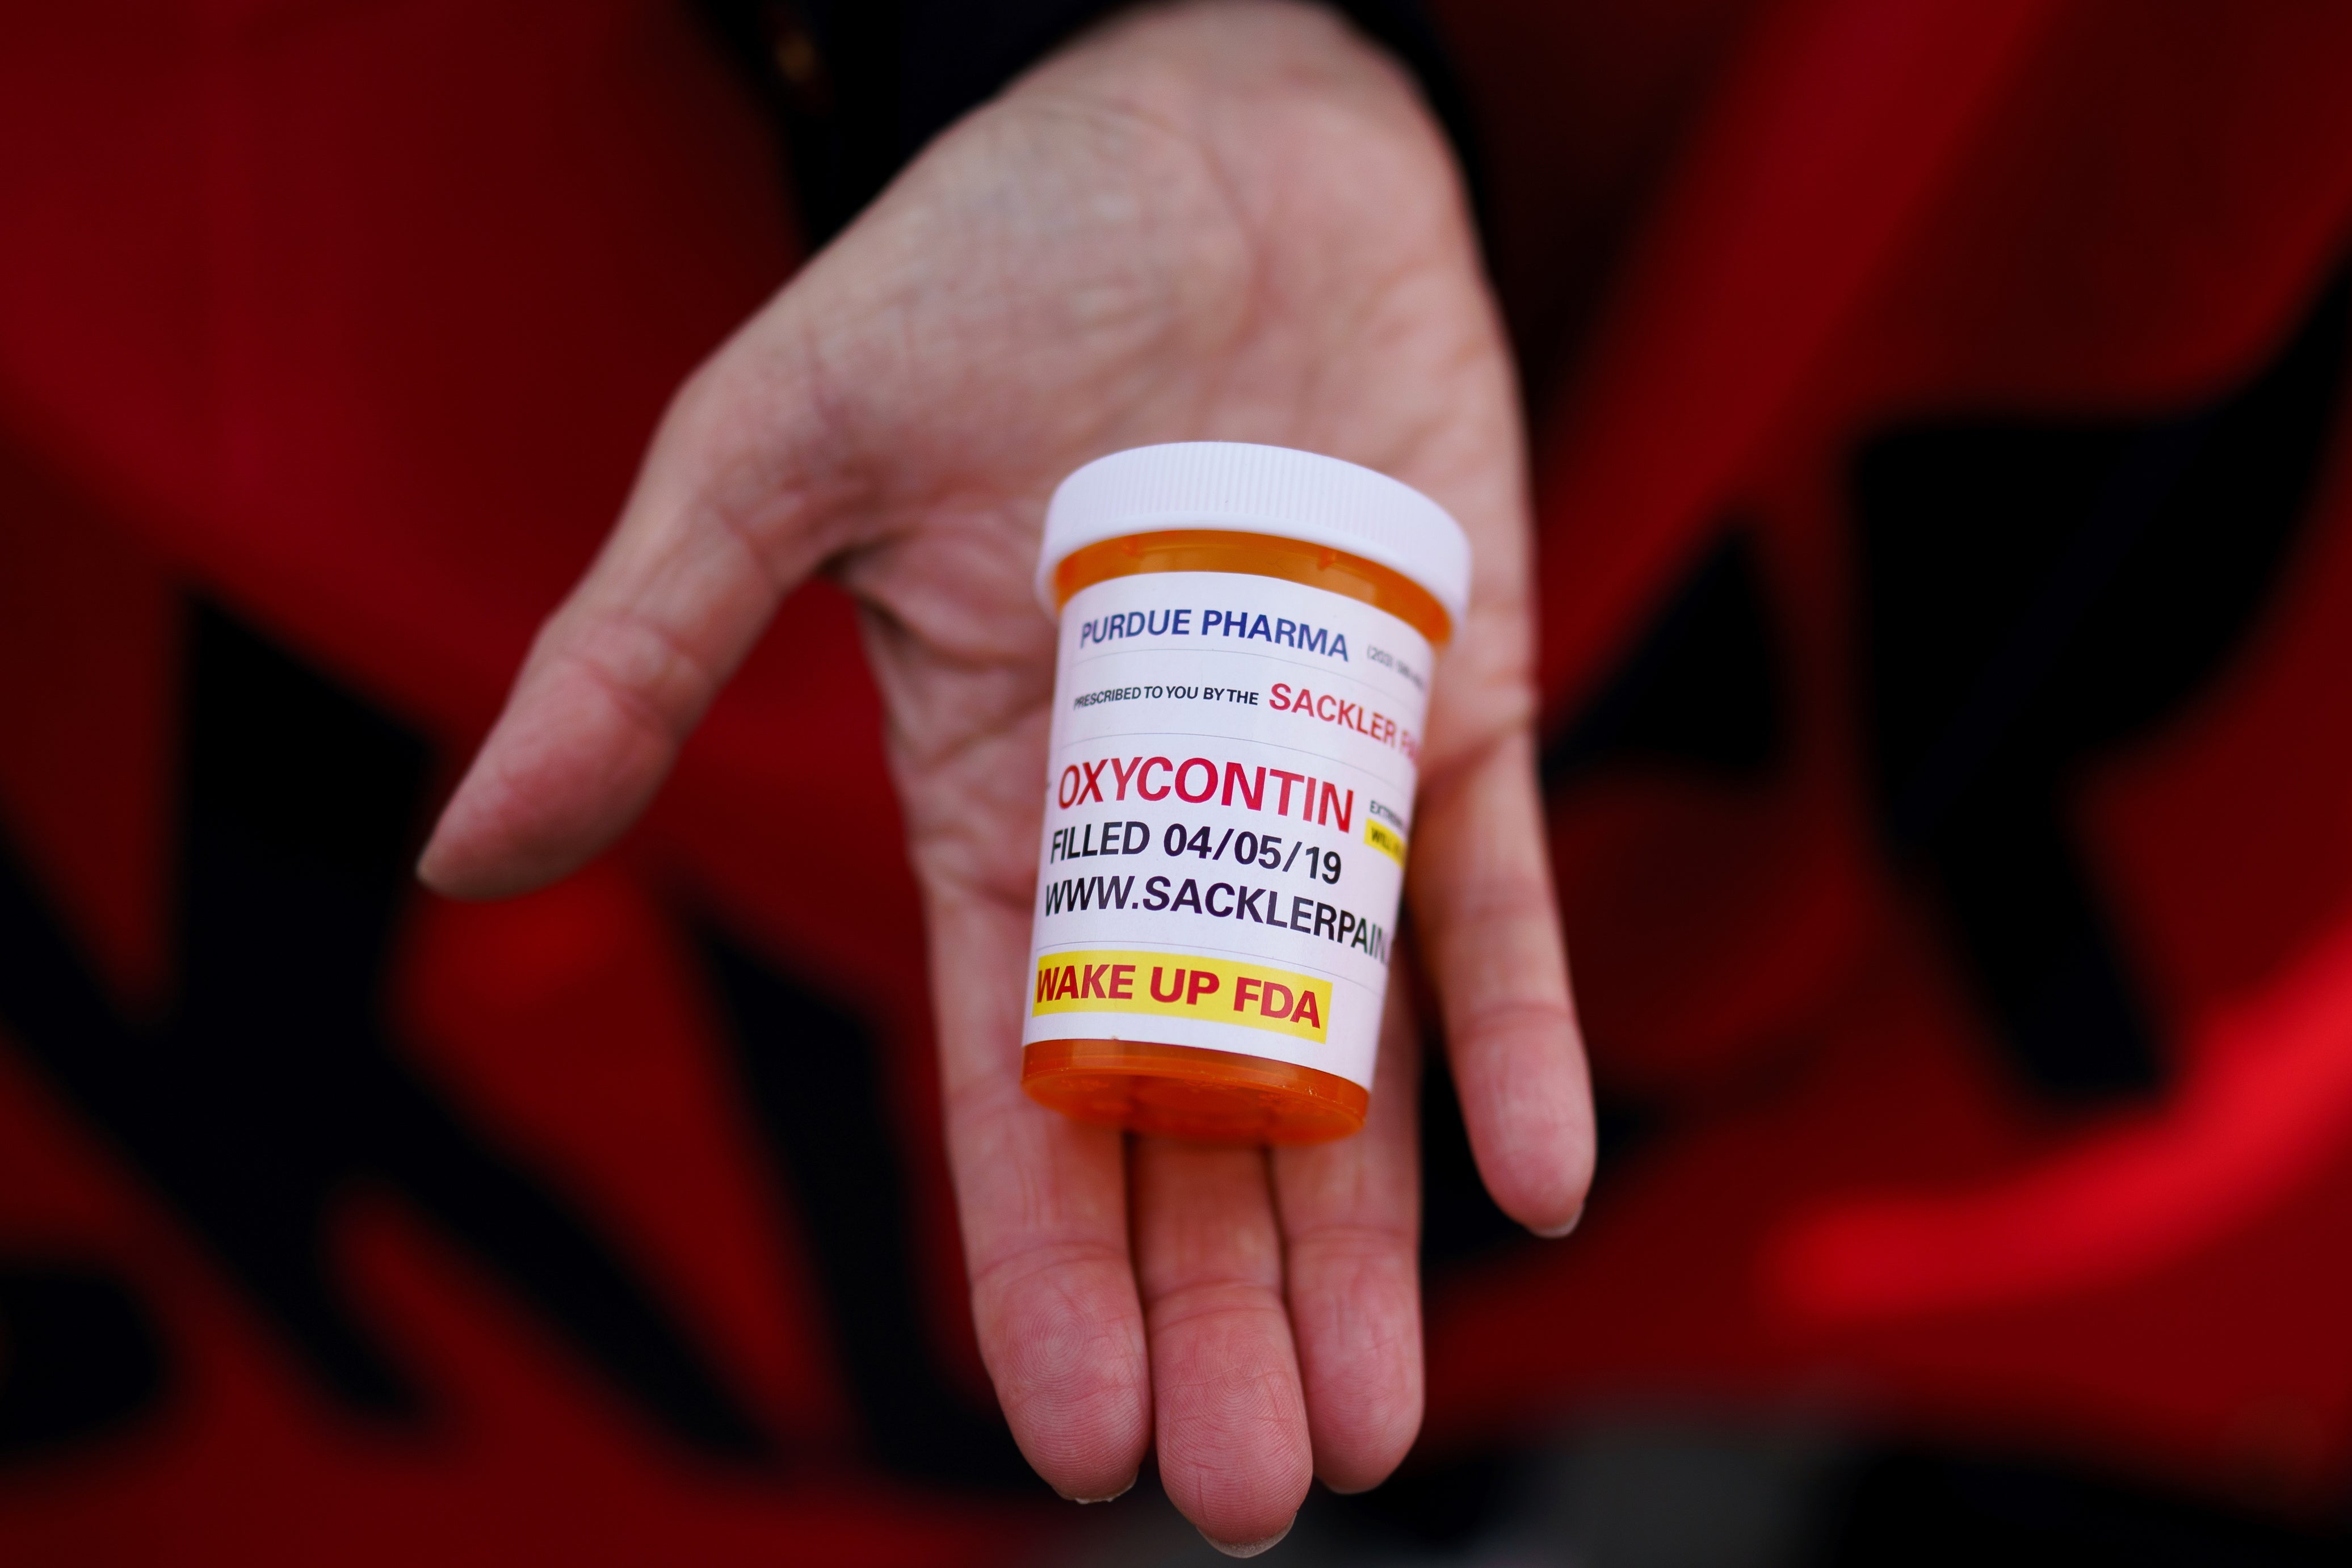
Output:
(1254, 83)
(1229, 53)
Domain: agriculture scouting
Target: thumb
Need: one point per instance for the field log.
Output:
(730, 512)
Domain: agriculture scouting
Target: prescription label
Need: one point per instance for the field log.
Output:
(1230, 795)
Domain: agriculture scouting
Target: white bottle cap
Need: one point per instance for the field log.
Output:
(1241, 488)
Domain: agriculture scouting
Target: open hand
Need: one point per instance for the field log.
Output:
(1227, 220)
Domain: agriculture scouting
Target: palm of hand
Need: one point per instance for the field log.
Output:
(1225, 222)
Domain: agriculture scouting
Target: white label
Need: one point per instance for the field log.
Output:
(1226, 817)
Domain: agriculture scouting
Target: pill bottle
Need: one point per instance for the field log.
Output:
(1245, 641)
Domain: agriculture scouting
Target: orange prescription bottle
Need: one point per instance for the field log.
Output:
(1246, 635)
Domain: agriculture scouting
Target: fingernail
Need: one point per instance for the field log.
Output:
(1253, 1548)
(1107, 1497)
(1556, 1232)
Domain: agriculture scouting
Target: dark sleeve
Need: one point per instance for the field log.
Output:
(859, 86)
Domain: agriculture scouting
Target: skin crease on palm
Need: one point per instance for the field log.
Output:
(1229, 219)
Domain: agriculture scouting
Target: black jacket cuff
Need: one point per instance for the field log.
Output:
(858, 86)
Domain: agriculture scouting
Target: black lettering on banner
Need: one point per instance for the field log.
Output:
(2034, 593)
(2039, 592)
(271, 1089)
(84, 1357)
(815, 1076)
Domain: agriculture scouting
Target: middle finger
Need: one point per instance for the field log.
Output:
(1230, 1417)
(1352, 1218)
